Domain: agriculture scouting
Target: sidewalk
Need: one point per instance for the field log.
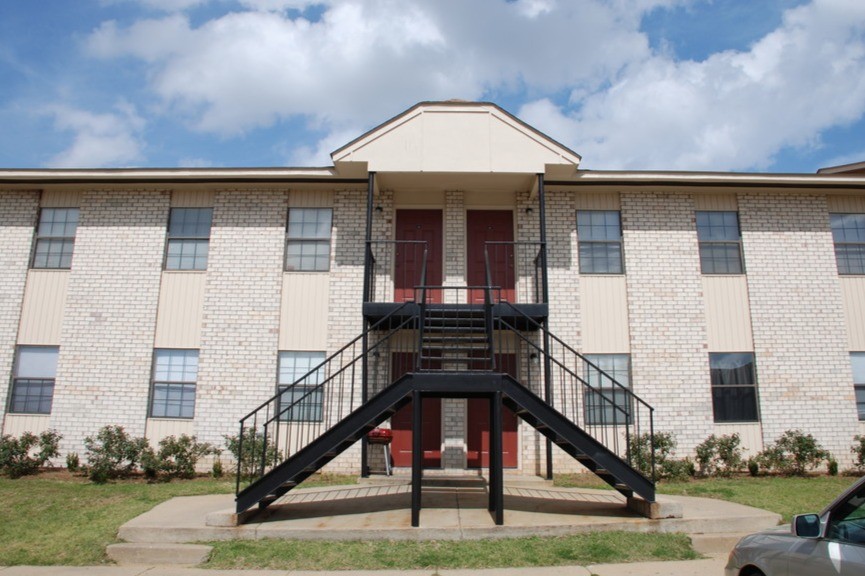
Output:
(713, 566)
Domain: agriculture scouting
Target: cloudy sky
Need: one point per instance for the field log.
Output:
(744, 85)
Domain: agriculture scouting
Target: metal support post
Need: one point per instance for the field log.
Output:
(416, 457)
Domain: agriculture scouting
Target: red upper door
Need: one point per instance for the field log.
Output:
(484, 226)
(418, 225)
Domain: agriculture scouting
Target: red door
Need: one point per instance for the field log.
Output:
(484, 226)
(478, 426)
(418, 225)
(401, 446)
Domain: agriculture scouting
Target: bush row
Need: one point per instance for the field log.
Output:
(794, 453)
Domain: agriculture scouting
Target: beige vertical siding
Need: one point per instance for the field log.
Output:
(159, 428)
(720, 202)
(42, 311)
(178, 320)
(853, 293)
(604, 305)
(60, 199)
(192, 198)
(846, 204)
(598, 201)
(750, 434)
(17, 424)
(310, 199)
(303, 314)
(728, 318)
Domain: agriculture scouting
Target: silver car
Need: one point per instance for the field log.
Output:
(829, 543)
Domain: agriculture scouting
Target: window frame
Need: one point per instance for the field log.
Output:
(312, 408)
(753, 385)
(183, 385)
(858, 387)
(702, 244)
(182, 239)
(590, 243)
(40, 238)
(41, 380)
(836, 244)
(303, 241)
(590, 407)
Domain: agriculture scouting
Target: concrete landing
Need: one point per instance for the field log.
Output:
(450, 512)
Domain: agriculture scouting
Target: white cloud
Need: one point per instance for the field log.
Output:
(735, 110)
(100, 140)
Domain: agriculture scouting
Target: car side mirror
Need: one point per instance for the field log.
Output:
(806, 525)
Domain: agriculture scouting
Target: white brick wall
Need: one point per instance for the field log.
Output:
(18, 212)
(800, 339)
(106, 347)
(669, 357)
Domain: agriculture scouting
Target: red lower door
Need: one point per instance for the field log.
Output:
(401, 423)
(484, 226)
(478, 427)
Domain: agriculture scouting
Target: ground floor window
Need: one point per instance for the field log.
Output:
(734, 387)
(608, 403)
(175, 373)
(300, 374)
(857, 362)
(33, 380)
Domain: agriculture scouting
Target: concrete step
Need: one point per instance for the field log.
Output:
(720, 543)
(158, 553)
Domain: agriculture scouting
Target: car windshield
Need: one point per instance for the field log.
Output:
(847, 522)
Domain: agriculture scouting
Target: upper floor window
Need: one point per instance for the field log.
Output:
(188, 238)
(857, 362)
(307, 246)
(734, 387)
(175, 373)
(600, 241)
(33, 380)
(611, 403)
(720, 242)
(301, 397)
(848, 232)
(55, 238)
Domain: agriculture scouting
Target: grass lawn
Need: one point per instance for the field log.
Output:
(786, 496)
(593, 548)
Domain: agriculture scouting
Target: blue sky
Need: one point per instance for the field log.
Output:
(744, 85)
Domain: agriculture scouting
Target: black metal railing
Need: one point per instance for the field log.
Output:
(582, 391)
(301, 412)
(393, 269)
(516, 268)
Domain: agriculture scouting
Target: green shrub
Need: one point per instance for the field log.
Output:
(177, 456)
(666, 467)
(719, 455)
(28, 453)
(217, 471)
(753, 466)
(793, 454)
(832, 467)
(253, 446)
(73, 462)
(858, 449)
(113, 454)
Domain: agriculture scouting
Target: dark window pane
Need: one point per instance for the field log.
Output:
(32, 396)
(300, 404)
(187, 255)
(720, 258)
(55, 238)
(190, 222)
(720, 242)
(734, 387)
(308, 239)
(173, 400)
(609, 402)
(850, 258)
(848, 232)
(600, 241)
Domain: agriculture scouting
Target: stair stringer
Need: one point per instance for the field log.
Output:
(326, 447)
(575, 441)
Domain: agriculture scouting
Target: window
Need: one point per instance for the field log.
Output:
(301, 398)
(857, 362)
(175, 373)
(734, 387)
(600, 236)
(599, 407)
(848, 232)
(307, 246)
(33, 382)
(720, 242)
(55, 237)
(188, 238)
